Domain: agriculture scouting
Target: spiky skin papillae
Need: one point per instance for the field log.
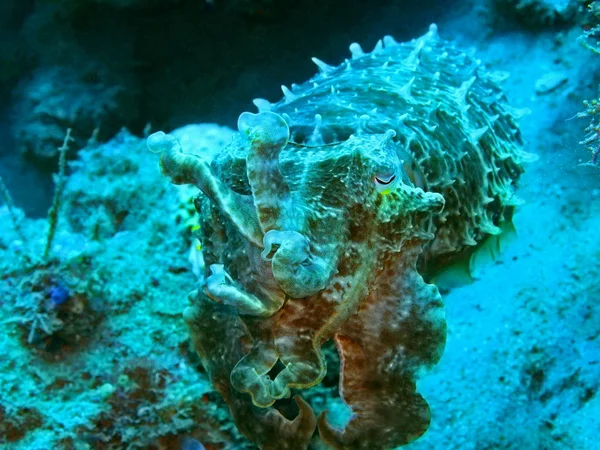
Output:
(321, 220)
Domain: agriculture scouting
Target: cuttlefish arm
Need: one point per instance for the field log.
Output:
(220, 338)
(185, 168)
(299, 268)
(267, 134)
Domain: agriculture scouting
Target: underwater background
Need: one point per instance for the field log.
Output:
(98, 250)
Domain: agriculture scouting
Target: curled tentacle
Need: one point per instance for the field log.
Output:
(250, 375)
(212, 325)
(290, 434)
(298, 272)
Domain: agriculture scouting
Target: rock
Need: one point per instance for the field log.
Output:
(550, 82)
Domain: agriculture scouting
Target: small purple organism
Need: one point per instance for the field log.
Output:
(59, 294)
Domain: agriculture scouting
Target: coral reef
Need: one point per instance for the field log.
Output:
(101, 199)
(51, 299)
(96, 353)
(320, 221)
(104, 199)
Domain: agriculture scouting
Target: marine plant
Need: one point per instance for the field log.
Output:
(327, 218)
(49, 299)
(52, 212)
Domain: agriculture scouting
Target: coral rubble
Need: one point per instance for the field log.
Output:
(96, 353)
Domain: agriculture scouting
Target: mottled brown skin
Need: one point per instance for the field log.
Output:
(379, 232)
(320, 221)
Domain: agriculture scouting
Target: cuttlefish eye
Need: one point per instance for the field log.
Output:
(385, 182)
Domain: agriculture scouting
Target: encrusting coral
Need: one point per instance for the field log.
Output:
(323, 220)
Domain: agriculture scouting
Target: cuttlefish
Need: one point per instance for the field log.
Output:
(329, 217)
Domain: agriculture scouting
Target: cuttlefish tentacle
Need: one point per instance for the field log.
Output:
(267, 134)
(185, 168)
(221, 288)
(218, 334)
(297, 268)
(289, 434)
(250, 374)
(298, 271)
